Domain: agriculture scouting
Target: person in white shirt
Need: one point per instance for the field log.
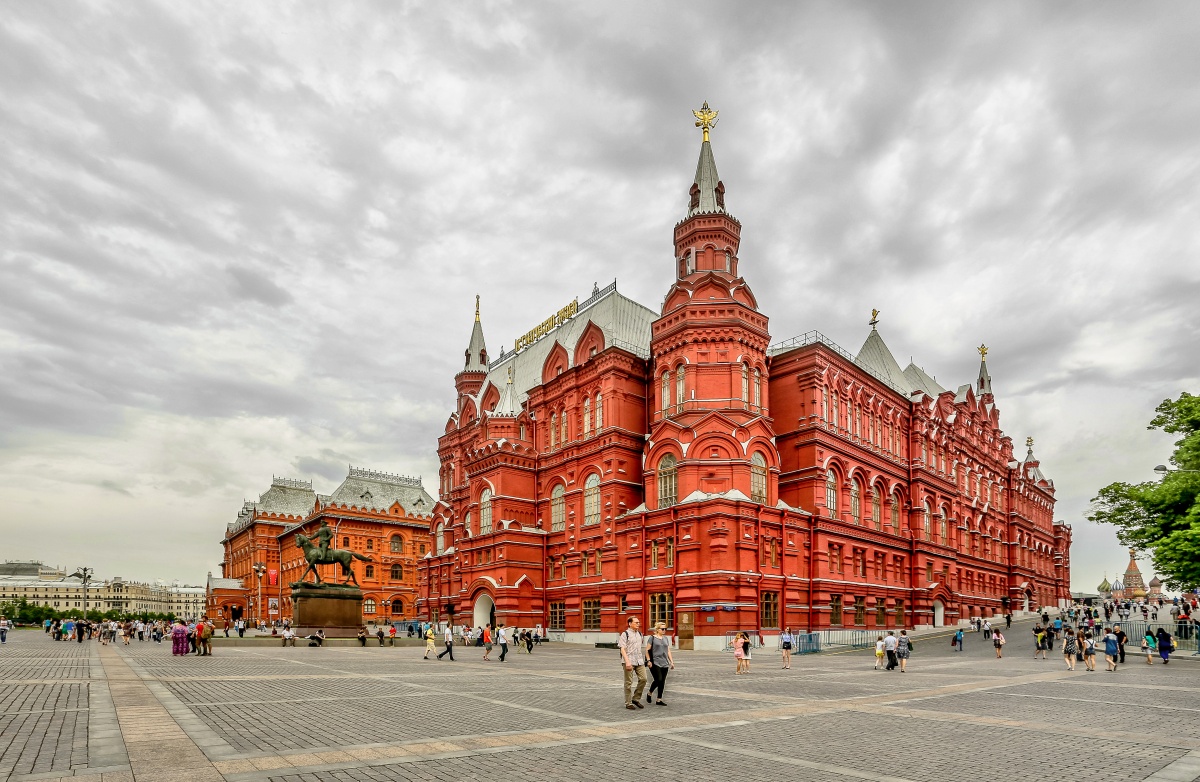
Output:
(889, 647)
(289, 637)
(502, 639)
(448, 640)
(3, 629)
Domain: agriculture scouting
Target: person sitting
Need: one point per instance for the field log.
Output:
(362, 635)
(317, 638)
(289, 637)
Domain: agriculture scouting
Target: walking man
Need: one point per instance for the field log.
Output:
(502, 639)
(487, 640)
(1121, 639)
(448, 639)
(889, 647)
(633, 657)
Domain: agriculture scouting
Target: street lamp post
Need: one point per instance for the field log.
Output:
(1163, 469)
(259, 570)
(85, 575)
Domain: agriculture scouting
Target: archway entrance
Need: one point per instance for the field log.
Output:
(939, 614)
(1028, 598)
(485, 610)
(235, 613)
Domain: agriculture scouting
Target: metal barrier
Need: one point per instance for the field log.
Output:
(1183, 634)
(802, 643)
(847, 639)
(755, 639)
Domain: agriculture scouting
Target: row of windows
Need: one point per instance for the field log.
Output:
(751, 392)
(837, 612)
(559, 430)
(662, 609)
(884, 434)
(668, 480)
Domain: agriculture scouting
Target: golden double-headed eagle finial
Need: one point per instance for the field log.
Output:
(706, 118)
(983, 350)
(874, 319)
(1029, 443)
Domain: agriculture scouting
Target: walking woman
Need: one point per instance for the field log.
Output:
(903, 647)
(785, 641)
(745, 652)
(658, 652)
(1089, 652)
(739, 653)
(998, 642)
(1069, 646)
(1149, 646)
(1166, 645)
(179, 634)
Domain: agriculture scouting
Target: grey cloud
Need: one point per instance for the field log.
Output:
(250, 284)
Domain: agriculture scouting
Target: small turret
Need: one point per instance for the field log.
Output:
(983, 384)
(471, 378)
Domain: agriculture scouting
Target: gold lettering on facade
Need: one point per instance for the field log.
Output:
(546, 326)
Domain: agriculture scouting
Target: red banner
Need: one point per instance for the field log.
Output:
(273, 577)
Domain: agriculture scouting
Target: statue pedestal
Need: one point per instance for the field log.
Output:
(335, 609)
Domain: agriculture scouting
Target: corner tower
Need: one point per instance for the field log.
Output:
(709, 356)
(470, 380)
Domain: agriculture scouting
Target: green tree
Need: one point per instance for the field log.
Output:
(1163, 517)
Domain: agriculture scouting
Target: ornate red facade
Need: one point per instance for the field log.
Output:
(675, 465)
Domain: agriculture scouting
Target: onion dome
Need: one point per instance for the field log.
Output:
(1104, 586)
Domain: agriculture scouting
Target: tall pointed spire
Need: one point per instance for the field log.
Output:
(477, 358)
(983, 384)
(708, 192)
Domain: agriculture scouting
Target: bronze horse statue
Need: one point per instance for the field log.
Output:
(339, 556)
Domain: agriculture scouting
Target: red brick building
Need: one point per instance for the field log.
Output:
(677, 466)
(383, 516)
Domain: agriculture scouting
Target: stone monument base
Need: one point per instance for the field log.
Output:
(335, 609)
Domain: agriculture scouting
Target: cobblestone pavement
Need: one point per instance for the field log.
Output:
(267, 714)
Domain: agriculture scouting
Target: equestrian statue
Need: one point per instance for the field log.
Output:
(322, 554)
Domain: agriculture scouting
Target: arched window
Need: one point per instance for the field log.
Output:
(679, 386)
(485, 512)
(467, 524)
(825, 403)
(757, 387)
(837, 411)
(745, 384)
(587, 416)
(924, 453)
(440, 542)
(599, 412)
(368, 606)
(856, 501)
(667, 483)
(896, 514)
(857, 421)
(553, 430)
(369, 571)
(758, 478)
(591, 500)
(397, 573)
(396, 545)
(831, 492)
(943, 531)
(563, 436)
(666, 390)
(928, 523)
(558, 509)
(876, 510)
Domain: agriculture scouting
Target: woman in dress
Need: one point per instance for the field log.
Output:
(997, 642)
(1089, 652)
(1149, 645)
(179, 638)
(739, 653)
(903, 646)
(658, 653)
(1166, 645)
(785, 642)
(1070, 645)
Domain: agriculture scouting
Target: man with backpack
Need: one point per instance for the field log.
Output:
(633, 658)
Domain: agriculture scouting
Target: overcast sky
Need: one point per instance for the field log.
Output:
(239, 240)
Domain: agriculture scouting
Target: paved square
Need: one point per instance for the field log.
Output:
(252, 714)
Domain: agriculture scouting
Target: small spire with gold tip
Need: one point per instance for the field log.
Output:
(706, 118)
(476, 307)
(983, 351)
(874, 321)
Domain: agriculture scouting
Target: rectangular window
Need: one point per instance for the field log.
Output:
(558, 615)
(769, 611)
(583, 565)
(662, 609)
(835, 610)
(880, 612)
(654, 555)
(860, 611)
(671, 552)
(900, 613)
(599, 565)
(591, 614)
(624, 604)
(774, 553)
(929, 572)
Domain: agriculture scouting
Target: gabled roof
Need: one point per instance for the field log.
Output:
(286, 497)
(919, 379)
(875, 356)
(508, 406)
(623, 321)
(374, 490)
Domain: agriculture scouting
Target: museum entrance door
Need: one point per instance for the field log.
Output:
(485, 610)
(939, 614)
(687, 631)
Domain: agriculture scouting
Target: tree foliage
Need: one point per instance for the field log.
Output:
(1163, 517)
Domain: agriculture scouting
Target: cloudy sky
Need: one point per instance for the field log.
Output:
(239, 240)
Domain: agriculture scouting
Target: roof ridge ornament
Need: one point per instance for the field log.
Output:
(983, 351)
(476, 307)
(874, 321)
(706, 118)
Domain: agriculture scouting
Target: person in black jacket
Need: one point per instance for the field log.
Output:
(1121, 639)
